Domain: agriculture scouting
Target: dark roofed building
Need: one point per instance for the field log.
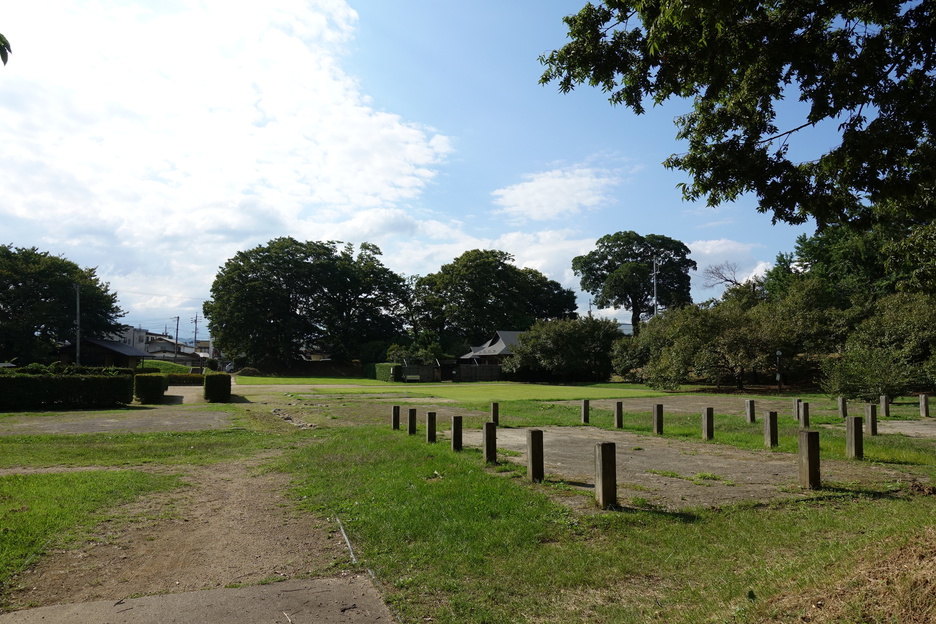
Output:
(106, 353)
(494, 350)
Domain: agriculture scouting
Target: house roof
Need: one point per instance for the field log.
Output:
(502, 343)
(118, 347)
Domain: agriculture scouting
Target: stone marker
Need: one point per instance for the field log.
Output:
(885, 406)
(658, 419)
(395, 418)
(804, 415)
(854, 442)
(411, 421)
(456, 433)
(809, 459)
(619, 415)
(535, 470)
(605, 475)
(843, 407)
(770, 430)
(924, 405)
(490, 443)
(871, 418)
(431, 427)
(708, 423)
(749, 410)
(584, 411)
(495, 413)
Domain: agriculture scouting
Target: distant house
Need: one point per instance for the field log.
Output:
(106, 353)
(494, 351)
(165, 348)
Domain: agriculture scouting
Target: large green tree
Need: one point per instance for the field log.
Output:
(863, 71)
(39, 300)
(279, 300)
(482, 291)
(619, 273)
(566, 350)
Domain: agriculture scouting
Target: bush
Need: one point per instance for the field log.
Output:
(384, 372)
(249, 371)
(185, 379)
(35, 391)
(218, 388)
(149, 388)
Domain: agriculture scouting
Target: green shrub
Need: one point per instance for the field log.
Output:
(249, 371)
(185, 379)
(149, 388)
(36, 391)
(218, 388)
(384, 372)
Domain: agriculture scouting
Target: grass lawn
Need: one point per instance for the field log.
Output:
(453, 541)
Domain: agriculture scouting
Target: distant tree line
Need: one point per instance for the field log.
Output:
(841, 311)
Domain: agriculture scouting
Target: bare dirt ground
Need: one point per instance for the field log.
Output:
(232, 526)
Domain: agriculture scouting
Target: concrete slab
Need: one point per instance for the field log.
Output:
(349, 599)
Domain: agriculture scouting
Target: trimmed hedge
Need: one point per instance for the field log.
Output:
(218, 388)
(384, 372)
(185, 379)
(32, 391)
(150, 388)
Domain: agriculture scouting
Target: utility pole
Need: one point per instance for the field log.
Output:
(175, 352)
(656, 305)
(77, 324)
(195, 339)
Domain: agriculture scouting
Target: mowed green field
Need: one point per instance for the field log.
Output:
(452, 540)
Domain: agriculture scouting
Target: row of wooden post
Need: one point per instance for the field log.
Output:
(605, 461)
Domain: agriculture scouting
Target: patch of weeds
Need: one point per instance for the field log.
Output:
(642, 503)
(700, 478)
(666, 473)
(509, 453)
(276, 578)
(637, 448)
(636, 487)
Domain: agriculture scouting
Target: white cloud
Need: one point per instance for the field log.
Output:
(557, 193)
(195, 128)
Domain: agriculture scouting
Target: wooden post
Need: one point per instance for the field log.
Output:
(796, 408)
(843, 407)
(924, 405)
(658, 419)
(605, 475)
(584, 411)
(804, 415)
(708, 423)
(456, 433)
(495, 413)
(535, 470)
(770, 430)
(885, 406)
(431, 427)
(395, 418)
(411, 421)
(854, 443)
(749, 410)
(490, 443)
(619, 415)
(871, 418)
(809, 459)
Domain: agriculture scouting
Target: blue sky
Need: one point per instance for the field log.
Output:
(153, 140)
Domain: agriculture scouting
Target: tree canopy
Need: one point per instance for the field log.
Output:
(865, 68)
(278, 301)
(38, 304)
(619, 273)
(565, 350)
(5, 49)
(482, 291)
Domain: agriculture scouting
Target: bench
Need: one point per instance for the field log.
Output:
(411, 378)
